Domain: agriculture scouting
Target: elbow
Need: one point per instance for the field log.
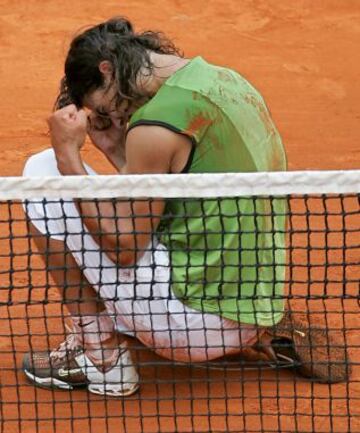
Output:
(132, 249)
(127, 258)
(127, 250)
(125, 254)
(123, 258)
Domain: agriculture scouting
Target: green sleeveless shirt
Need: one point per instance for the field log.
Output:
(227, 256)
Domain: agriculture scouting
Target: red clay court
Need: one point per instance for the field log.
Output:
(302, 57)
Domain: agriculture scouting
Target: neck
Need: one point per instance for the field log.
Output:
(165, 65)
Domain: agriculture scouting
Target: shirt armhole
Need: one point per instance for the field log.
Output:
(173, 129)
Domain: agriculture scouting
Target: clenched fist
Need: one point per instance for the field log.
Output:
(68, 128)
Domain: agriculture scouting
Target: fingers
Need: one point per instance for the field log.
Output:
(65, 113)
(81, 115)
(69, 109)
(68, 113)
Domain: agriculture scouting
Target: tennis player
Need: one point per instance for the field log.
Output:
(191, 293)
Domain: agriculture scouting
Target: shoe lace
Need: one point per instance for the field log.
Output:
(71, 344)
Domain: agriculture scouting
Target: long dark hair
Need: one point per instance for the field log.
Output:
(115, 41)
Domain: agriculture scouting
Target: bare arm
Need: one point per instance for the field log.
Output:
(123, 229)
(109, 138)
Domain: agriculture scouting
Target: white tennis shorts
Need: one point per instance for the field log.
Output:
(140, 298)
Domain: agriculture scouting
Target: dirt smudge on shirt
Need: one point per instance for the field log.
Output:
(224, 75)
(197, 123)
(263, 112)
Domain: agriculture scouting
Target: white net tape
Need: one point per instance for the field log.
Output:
(182, 185)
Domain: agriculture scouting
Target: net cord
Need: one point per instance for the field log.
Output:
(182, 185)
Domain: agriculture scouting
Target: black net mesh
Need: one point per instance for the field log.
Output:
(241, 315)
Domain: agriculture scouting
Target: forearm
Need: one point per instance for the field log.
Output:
(109, 138)
(116, 229)
(70, 164)
(99, 217)
(121, 228)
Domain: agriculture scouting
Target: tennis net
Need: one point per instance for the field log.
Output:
(241, 311)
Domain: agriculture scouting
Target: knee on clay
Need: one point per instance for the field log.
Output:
(41, 164)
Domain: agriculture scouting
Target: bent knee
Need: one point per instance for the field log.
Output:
(41, 164)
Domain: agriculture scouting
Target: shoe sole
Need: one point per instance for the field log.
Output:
(320, 352)
(51, 382)
(98, 389)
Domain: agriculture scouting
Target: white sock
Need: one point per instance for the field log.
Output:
(93, 331)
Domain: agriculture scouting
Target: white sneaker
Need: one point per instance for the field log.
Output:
(69, 367)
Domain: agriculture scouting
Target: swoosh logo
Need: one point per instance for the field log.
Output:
(82, 325)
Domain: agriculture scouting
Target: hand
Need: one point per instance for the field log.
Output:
(68, 132)
(108, 135)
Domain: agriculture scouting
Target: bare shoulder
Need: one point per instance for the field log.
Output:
(156, 149)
